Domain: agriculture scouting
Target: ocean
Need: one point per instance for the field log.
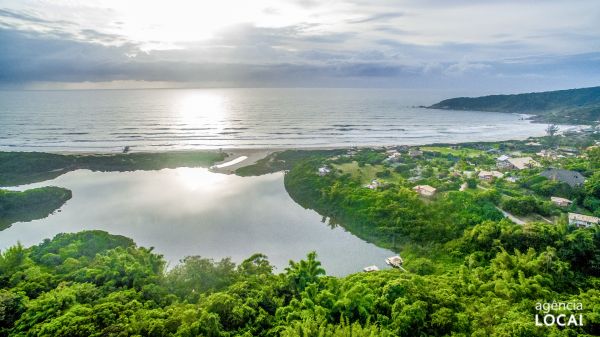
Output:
(181, 119)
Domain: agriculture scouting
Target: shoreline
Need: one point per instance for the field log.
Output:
(243, 149)
(255, 154)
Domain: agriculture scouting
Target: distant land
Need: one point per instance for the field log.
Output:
(572, 106)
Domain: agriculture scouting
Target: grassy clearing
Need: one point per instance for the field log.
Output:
(462, 152)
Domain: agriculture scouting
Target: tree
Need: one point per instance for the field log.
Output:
(592, 185)
(300, 274)
(551, 130)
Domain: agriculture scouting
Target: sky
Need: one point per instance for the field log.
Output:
(488, 46)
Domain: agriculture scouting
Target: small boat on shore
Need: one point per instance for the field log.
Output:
(370, 269)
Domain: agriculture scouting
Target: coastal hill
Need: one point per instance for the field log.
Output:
(576, 106)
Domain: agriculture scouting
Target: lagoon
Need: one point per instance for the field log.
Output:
(192, 211)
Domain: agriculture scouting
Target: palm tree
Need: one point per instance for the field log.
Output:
(305, 272)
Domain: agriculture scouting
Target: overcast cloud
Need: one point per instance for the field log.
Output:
(490, 45)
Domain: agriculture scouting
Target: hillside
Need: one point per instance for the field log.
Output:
(581, 106)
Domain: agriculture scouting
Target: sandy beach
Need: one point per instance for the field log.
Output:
(252, 156)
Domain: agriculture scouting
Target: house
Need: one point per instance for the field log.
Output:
(463, 187)
(512, 179)
(415, 153)
(523, 163)
(581, 220)
(489, 175)
(550, 154)
(394, 261)
(572, 178)
(468, 174)
(502, 162)
(324, 171)
(394, 157)
(370, 269)
(425, 190)
(374, 184)
(561, 202)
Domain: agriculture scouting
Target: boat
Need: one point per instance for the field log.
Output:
(370, 269)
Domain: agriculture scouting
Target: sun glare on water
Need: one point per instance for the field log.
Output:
(202, 111)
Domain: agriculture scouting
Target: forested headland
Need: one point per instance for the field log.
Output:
(572, 106)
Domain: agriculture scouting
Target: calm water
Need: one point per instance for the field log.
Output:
(246, 118)
(189, 211)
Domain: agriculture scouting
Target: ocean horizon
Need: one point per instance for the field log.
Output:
(201, 119)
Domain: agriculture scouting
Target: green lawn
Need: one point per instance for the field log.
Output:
(464, 152)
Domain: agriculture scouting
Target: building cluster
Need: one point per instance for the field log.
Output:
(504, 164)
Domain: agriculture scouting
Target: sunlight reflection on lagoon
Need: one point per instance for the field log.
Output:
(193, 179)
(192, 211)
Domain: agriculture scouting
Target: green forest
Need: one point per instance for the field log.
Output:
(96, 284)
(32, 204)
(468, 270)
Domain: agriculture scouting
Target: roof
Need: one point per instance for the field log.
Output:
(394, 260)
(490, 173)
(503, 158)
(584, 218)
(523, 162)
(573, 178)
(559, 199)
(425, 188)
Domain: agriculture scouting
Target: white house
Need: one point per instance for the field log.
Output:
(581, 220)
(561, 202)
(374, 184)
(394, 157)
(324, 171)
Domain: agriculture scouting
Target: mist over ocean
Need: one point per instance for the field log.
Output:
(177, 119)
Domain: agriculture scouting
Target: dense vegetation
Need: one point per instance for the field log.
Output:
(17, 168)
(469, 271)
(566, 106)
(30, 205)
(96, 284)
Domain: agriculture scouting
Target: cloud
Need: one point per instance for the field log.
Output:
(21, 16)
(379, 17)
(302, 42)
